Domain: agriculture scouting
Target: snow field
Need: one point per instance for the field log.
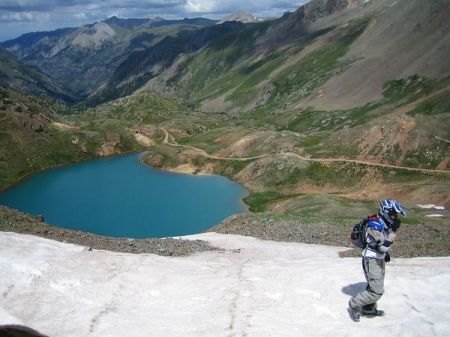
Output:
(248, 288)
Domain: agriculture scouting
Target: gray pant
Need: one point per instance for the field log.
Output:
(374, 272)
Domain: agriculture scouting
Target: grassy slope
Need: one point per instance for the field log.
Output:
(339, 133)
(236, 65)
(30, 142)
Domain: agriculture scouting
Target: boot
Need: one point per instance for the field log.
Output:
(370, 310)
(354, 313)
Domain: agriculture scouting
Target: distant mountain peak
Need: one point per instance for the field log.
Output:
(94, 36)
(240, 16)
(126, 23)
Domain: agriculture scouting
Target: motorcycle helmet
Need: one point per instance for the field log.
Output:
(389, 210)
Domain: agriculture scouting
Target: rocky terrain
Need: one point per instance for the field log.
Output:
(412, 241)
(15, 221)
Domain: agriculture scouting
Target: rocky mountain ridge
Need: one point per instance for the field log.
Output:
(29, 79)
(83, 58)
(116, 57)
(368, 42)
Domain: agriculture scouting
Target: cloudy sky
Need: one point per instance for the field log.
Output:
(22, 16)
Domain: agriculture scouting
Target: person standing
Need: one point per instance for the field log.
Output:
(380, 234)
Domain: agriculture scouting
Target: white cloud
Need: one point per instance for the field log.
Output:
(201, 6)
(81, 16)
(18, 16)
(270, 8)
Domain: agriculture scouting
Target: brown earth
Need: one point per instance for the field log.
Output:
(397, 133)
(387, 50)
(254, 174)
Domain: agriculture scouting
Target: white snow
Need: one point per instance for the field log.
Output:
(428, 206)
(434, 215)
(249, 288)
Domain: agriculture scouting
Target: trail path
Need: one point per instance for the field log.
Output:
(321, 160)
(203, 152)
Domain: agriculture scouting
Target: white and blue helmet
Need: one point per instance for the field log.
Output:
(389, 207)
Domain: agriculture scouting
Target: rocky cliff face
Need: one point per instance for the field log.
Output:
(320, 8)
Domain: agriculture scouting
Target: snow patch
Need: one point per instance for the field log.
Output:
(247, 288)
(429, 206)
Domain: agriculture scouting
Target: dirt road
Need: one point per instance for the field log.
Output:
(320, 160)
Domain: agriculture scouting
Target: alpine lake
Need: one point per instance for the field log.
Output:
(121, 197)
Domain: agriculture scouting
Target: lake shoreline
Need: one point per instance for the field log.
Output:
(123, 196)
(413, 241)
(12, 220)
(202, 174)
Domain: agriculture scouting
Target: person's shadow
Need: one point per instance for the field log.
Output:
(353, 289)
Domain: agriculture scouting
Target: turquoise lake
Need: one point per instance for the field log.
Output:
(120, 197)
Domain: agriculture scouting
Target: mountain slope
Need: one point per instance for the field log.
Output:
(28, 79)
(146, 64)
(29, 141)
(82, 58)
(403, 38)
(143, 66)
(329, 54)
(345, 71)
(34, 136)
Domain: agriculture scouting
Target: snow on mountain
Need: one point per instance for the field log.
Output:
(248, 288)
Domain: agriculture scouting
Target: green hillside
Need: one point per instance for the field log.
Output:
(317, 110)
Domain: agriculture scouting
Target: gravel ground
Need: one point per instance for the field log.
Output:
(15, 221)
(412, 240)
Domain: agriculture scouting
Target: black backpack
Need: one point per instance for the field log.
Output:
(358, 234)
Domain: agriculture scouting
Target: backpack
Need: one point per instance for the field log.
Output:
(358, 234)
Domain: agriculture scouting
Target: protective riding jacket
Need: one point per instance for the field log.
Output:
(379, 239)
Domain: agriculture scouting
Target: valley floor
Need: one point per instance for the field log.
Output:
(248, 287)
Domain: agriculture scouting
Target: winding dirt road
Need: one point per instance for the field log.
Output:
(320, 160)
